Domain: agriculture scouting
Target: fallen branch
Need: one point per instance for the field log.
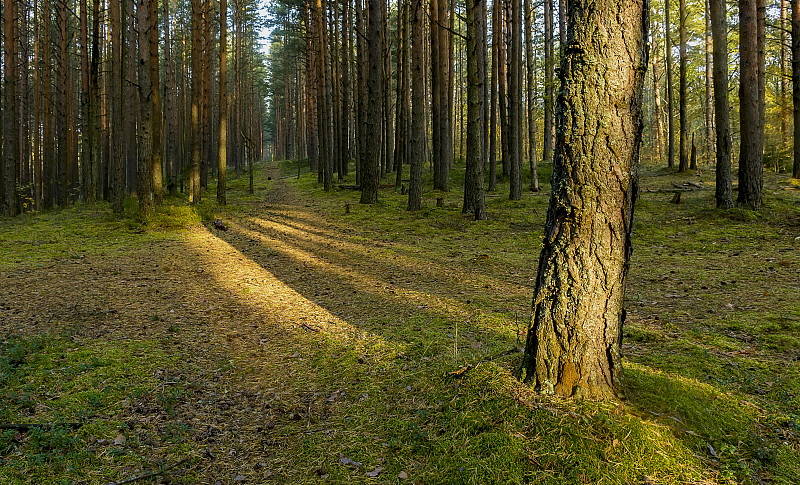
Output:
(151, 474)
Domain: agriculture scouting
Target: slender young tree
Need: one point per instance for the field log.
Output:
(195, 133)
(493, 124)
(531, 96)
(548, 81)
(574, 341)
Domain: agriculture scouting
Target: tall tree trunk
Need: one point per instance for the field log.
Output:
(784, 105)
(197, 48)
(670, 90)
(515, 102)
(95, 184)
(49, 166)
(417, 145)
(719, 31)
(436, 97)
(502, 91)
(549, 100)
(344, 142)
(474, 200)
(493, 124)
(157, 160)
(222, 155)
(796, 87)
(684, 130)
(119, 87)
(574, 342)
(146, 135)
(10, 117)
(531, 96)
(709, 141)
(750, 150)
(657, 115)
(370, 178)
(87, 187)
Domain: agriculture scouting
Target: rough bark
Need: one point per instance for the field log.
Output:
(370, 178)
(750, 153)
(683, 165)
(417, 145)
(515, 103)
(222, 153)
(796, 86)
(574, 343)
(474, 200)
(194, 170)
(146, 135)
(709, 141)
(117, 106)
(670, 90)
(10, 117)
(719, 32)
(531, 96)
(549, 62)
(493, 125)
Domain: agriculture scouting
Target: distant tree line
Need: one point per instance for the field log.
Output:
(355, 83)
(104, 98)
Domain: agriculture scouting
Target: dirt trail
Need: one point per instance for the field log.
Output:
(252, 315)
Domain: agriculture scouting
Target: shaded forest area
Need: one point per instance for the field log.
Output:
(105, 99)
(719, 92)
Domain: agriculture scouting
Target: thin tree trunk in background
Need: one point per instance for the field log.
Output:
(95, 105)
(222, 154)
(547, 155)
(145, 193)
(531, 96)
(796, 87)
(436, 97)
(670, 90)
(502, 91)
(37, 110)
(370, 178)
(362, 91)
(761, 12)
(493, 125)
(157, 160)
(49, 110)
(118, 85)
(344, 143)
(474, 200)
(684, 129)
(194, 171)
(10, 117)
(62, 101)
(709, 141)
(658, 119)
(401, 111)
(784, 76)
(515, 102)
(86, 131)
(417, 145)
(750, 153)
(170, 107)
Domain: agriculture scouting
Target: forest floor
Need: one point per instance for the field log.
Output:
(317, 340)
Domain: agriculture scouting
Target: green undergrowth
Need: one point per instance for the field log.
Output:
(76, 392)
(427, 389)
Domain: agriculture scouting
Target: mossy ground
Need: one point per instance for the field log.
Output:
(320, 340)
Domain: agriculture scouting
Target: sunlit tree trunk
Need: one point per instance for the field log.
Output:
(531, 96)
(194, 170)
(474, 200)
(684, 128)
(222, 155)
(574, 342)
(370, 178)
(796, 86)
(670, 90)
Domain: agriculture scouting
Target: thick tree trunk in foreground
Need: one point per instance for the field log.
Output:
(750, 154)
(719, 30)
(574, 342)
